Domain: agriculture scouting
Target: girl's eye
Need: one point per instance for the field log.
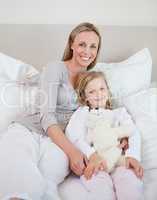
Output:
(82, 44)
(102, 89)
(93, 46)
(91, 92)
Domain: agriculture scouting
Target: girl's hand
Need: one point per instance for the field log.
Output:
(135, 166)
(78, 162)
(89, 170)
(96, 163)
(124, 144)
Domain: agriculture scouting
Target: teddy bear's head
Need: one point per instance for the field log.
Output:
(106, 136)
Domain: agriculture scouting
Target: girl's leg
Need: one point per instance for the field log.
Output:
(127, 185)
(54, 166)
(19, 174)
(100, 186)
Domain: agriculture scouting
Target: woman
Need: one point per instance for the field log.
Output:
(32, 164)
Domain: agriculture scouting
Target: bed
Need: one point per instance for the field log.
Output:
(124, 61)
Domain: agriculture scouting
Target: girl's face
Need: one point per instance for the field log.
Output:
(85, 47)
(96, 93)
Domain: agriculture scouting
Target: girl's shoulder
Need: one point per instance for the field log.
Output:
(82, 110)
(81, 113)
(120, 111)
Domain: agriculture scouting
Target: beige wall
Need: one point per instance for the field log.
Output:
(103, 12)
(39, 44)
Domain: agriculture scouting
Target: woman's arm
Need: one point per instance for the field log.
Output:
(76, 158)
(49, 83)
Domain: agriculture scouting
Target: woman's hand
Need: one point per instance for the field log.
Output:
(78, 161)
(135, 166)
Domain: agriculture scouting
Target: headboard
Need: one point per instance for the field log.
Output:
(41, 43)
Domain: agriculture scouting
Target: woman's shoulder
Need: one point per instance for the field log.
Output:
(55, 66)
(53, 70)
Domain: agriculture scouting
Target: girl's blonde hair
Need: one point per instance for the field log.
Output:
(81, 82)
(83, 27)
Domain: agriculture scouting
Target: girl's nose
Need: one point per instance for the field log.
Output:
(98, 93)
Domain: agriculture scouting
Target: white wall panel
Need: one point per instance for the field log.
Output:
(103, 12)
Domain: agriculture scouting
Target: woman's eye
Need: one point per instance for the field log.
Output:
(102, 89)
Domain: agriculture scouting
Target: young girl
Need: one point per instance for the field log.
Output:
(124, 182)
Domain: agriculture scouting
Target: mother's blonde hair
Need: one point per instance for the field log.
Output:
(81, 82)
(83, 27)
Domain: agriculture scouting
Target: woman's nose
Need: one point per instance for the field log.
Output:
(87, 50)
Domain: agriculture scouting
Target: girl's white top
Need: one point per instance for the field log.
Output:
(77, 130)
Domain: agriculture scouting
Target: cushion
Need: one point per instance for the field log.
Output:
(143, 108)
(141, 103)
(9, 103)
(16, 99)
(148, 129)
(17, 93)
(150, 183)
(15, 70)
(123, 77)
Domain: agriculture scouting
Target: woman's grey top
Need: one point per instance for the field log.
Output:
(55, 102)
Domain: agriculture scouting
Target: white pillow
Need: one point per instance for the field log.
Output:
(15, 99)
(15, 70)
(143, 103)
(17, 94)
(148, 129)
(127, 77)
(9, 103)
(150, 183)
(143, 108)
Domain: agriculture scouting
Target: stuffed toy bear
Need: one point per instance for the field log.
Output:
(105, 139)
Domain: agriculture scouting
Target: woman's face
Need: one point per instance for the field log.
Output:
(85, 48)
(96, 93)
